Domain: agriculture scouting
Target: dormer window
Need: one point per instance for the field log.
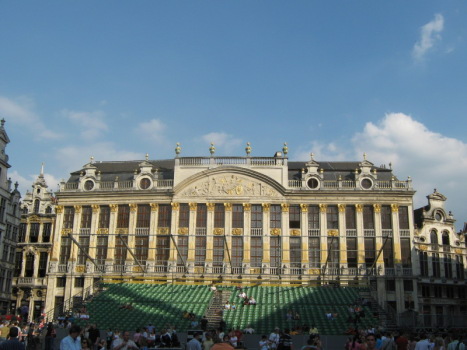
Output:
(37, 203)
(313, 183)
(438, 216)
(145, 183)
(366, 183)
(445, 238)
(89, 185)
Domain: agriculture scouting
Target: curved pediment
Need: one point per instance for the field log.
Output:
(229, 182)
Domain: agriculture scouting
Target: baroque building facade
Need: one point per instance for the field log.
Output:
(9, 222)
(33, 250)
(239, 220)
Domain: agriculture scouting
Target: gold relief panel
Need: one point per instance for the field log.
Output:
(377, 208)
(315, 271)
(33, 218)
(66, 231)
(458, 251)
(323, 208)
(210, 206)
(154, 206)
(304, 208)
(295, 232)
(423, 247)
(121, 231)
(162, 230)
(285, 207)
(228, 206)
(237, 231)
(359, 208)
(341, 208)
(395, 208)
(193, 206)
(133, 207)
(95, 208)
(113, 208)
(218, 231)
(103, 231)
(80, 268)
(266, 207)
(183, 230)
(77, 209)
(199, 269)
(137, 269)
(255, 271)
(275, 232)
(333, 233)
(175, 205)
(246, 207)
(59, 209)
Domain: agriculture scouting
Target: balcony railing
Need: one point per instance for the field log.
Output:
(85, 231)
(313, 232)
(201, 231)
(142, 231)
(351, 232)
(369, 233)
(257, 231)
(404, 232)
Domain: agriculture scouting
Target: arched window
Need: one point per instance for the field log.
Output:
(36, 205)
(25, 210)
(48, 210)
(434, 237)
(445, 238)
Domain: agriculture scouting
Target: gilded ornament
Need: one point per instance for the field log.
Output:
(210, 206)
(304, 208)
(377, 208)
(275, 232)
(295, 232)
(133, 207)
(333, 233)
(80, 268)
(423, 247)
(246, 206)
(163, 230)
(178, 149)
(121, 231)
(285, 207)
(66, 231)
(341, 208)
(137, 269)
(395, 208)
(218, 231)
(175, 205)
(113, 208)
(323, 208)
(228, 206)
(199, 269)
(248, 149)
(193, 206)
(315, 271)
(359, 208)
(95, 208)
(458, 251)
(103, 231)
(266, 207)
(255, 271)
(77, 209)
(237, 231)
(183, 230)
(212, 149)
(285, 149)
(33, 218)
(154, 206)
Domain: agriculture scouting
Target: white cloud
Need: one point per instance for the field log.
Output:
(153, 130)
(92, 123)
(21, 112)
(25, 183)
(429, 35)
(222, 140)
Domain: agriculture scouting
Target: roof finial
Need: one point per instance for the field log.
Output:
(248, 149)
(178, 149)
(212, 149)
(3, 122)
(147, 156)
(364, 155)
(285, 149)
(42, 169)
(91, 159)
(312, 156)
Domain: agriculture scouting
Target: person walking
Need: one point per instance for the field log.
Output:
(13, 342)
(73, 340)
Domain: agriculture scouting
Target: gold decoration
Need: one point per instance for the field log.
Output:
(228, 206)
(314, 271)
(103, 231)
(113, 208)
(163, 230)
(95, 208)
(237, 231)
(246, 207)
(175, 205)
(359, 208)
(285, 207)
(458, 251)
(154, 206)
(295, 232)
(183, 230)
(121, 231)
(218, 231)
(266, 207)
(66, 231)
(33, 218)
(137, 269)
(210, 206)
(395, 208)
(333, 233)
(133, 207)
(423, 247)
(275, 232)
(377, 208)
(199, 269)
(255, 271)
(59, 209)
(304, 208)
(80, 268)
(341, 208)
(323, 208)
(193, 206)
(77, 209)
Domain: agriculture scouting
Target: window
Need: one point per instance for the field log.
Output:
(436, 265)
(332, 217)
(141, 248)
(182, 242)
(18, 263)
(2, 209)
(438, 291)
(237, 251)
(295, 252)
(201, 215)
(275, 216)
(447, 266)
(143, 216)
(162, 249)
(29, 265)
(48, 210)
(82, 253)
(104, 216)
(406, 254)
(408, 286)
(370, 251)
(460, 267)
(294, 216)
(352, 253)
(333, 251)
(42, 264)
(350, 222)
(256, 251)
(123, 217)
(200, 250)
(237, 216)
(37, 204)
(68, 217)
(46, 232)
(219, 215)
(313, 217)
(86, 216)
(386, 217)
(390, 285)
(314, 251)
(275, 252)
(61, 282)
(218, 253)
(34, 233)
(101, 249)
(22, 232)
(120, 251)
(165, 215)
(423, 258)
(65, 250)
(426, 291)
(256, 216)
(433, 237)
(79, 282)
(368, 217)
(388, 252)
(184, 215)
(445, 238)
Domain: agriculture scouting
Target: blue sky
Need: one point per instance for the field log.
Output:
(119, 79)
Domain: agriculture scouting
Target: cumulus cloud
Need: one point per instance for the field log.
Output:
(21, 112)
(25, 182)
(429, 36)
(92, 123)
(152, 130)
(222, 140)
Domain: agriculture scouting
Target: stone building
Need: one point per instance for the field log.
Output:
(240, 220)
(33, 251)
(9, 222)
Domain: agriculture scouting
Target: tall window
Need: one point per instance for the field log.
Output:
(104, 216)
(141, 248)
(332, 216)
(84, 243)
(219, 215)
(434, 237)
(201, 215)
(406, 254)
(237, 251)
(370, 251)
(22, 232)
(165, 215)
(237, 216)
(46, 232)
(101, 249)
(294, 216)
(436, 266)
(388, 252)
(68, 217)
(275, 214)
(29, 265)
(313, 217)
(42, 264)
(460, 267)
(218, 253)
(275, 252)
(314, 251)
(123, 217)
(295, 251)
(34, 232)
(333, 250)
(445, 238)
(368, 217)
(423, 258)
(386, 217)
(162, 249)
(404, 218)
(19, 262)
(65, 250)
(143, 216)
(447, 266)
(352, 252)
(256, 255)
(37, 204)
(184, 215)
(86, 216)
(200, 250)
(182, 254)
(120, 251)
(350, 222)
(256, 216)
